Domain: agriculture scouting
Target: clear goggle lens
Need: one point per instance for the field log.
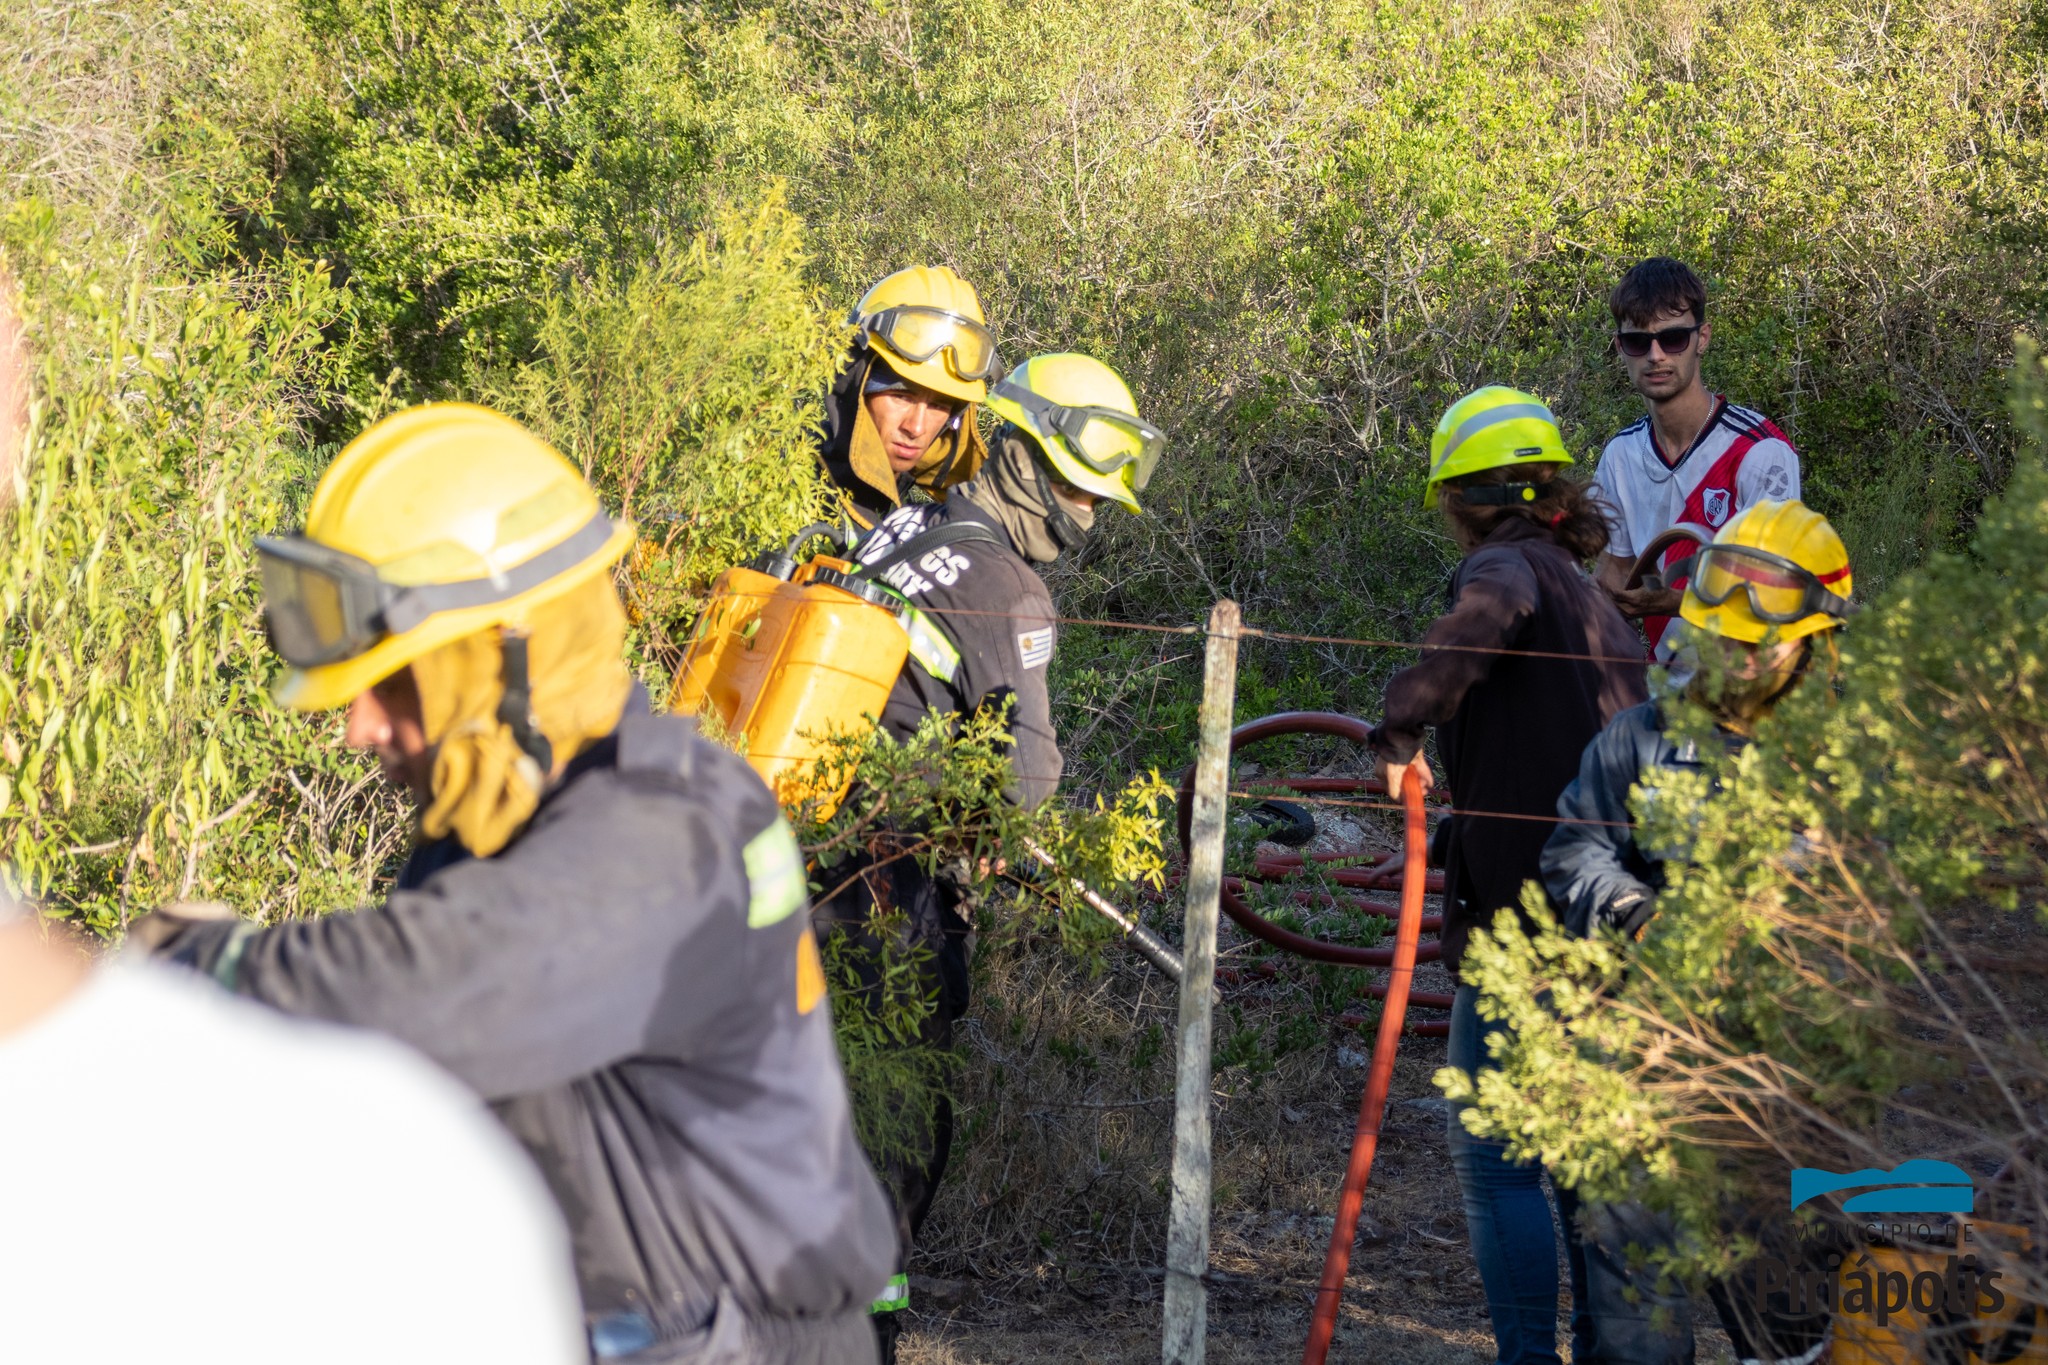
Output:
(1108, 444)
(1779, 591)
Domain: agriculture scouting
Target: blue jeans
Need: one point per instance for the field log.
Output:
(1615, 1309)
(1507, 1215)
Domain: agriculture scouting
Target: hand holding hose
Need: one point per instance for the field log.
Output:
(1396, 775)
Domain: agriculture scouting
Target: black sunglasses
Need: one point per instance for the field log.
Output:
(1674, 340)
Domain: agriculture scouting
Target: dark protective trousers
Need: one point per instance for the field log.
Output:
(1637, 1321)
(933, 921)
(1621, 1313)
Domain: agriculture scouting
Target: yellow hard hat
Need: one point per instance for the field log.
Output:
(928, 325)
(1082, 416)
(1777, 570)
(437, 522)
(1489, 428)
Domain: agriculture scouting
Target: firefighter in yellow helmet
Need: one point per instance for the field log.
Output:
(601, 929)
(1071, 439)
(901, 415)
(1765, 597)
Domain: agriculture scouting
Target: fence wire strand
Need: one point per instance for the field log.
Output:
(1261, 633)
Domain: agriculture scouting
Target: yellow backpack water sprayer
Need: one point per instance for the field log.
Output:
(792, 656)
(787, 655)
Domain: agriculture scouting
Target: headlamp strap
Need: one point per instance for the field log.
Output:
(1504, 494)
(515, 707)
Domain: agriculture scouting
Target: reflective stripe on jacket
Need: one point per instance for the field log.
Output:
(999, 616)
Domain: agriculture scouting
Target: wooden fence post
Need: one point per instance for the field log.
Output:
(1187, 1230)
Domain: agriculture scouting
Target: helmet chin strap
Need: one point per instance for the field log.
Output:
(1067, 533)
(515, 707)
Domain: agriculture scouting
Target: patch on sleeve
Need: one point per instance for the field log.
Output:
(1035, 646)
(776, 885)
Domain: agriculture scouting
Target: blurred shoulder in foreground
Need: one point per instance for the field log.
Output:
(192, 1177)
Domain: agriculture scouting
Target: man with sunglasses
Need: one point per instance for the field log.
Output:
(901, 414)
(1766, 594)
(1071, 439)
(1696, 459)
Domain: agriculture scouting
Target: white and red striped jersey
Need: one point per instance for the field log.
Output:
(1739, 458)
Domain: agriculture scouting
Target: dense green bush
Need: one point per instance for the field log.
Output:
(1300, 230)
(139, 760)
(686, 391)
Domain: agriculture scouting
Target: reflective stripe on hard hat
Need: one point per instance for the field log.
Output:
(893, 1299)
(930, 645)
(1480, 421)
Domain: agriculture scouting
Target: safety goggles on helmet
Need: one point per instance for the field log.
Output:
(1104, 439)
(918, 332)
(322, 605)
(1780, 590)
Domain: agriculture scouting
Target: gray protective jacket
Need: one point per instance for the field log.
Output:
(1595, 871)
(621, 983)
(998, 615)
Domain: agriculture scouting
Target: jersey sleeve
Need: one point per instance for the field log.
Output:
(1770, 472)
(1607, 479)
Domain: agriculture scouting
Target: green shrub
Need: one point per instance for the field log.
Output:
(687, 390)
(140, 761)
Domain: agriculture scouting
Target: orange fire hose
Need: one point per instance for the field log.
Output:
(1365, 1140)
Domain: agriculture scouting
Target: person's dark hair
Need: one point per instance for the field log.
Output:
(1567, 509)
(1658, 285)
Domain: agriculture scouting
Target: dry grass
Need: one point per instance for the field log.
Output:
(1048, 1235)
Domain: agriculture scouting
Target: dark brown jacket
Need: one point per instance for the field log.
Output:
(1511, 724)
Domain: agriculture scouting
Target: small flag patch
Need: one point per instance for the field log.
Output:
(1035, 646)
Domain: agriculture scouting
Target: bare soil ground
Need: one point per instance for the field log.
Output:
(1413, 1295)
(1047, 1240)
